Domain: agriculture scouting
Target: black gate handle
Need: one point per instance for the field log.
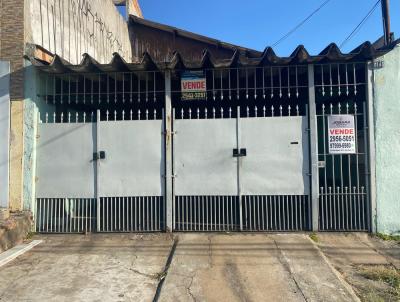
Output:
(99, 155)
(239, 153)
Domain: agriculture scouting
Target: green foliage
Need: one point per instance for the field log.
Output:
(389, 237)
(386, 274)
(30, 235)
(314, 237)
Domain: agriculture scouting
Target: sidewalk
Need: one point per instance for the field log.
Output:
(203, 267)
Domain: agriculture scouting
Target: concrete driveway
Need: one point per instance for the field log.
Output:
(203, 267)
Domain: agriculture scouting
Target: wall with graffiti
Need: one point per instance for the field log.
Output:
(71, 28)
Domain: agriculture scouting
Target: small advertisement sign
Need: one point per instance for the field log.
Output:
(193, 86)
(341, 134)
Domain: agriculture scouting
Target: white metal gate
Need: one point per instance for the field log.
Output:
(130, 177)
(237, 173)
(105, 176)
(248, 156)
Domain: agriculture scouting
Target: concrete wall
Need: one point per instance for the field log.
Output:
(387, 143)
(32, 89)
(70, 28)
(4, 132)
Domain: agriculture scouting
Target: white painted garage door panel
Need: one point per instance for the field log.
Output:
(134, 158)
(203, 161)
(64, 161)
(275, 164)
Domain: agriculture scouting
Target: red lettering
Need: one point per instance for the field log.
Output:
(341, 131)
(194, 85)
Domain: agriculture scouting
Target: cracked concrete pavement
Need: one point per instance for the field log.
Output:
(204, 267)
(251, 267)
(99, 267)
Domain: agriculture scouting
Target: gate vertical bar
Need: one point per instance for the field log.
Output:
(168, 192)
(96, 170)
(313, 135)
(238, 168)
(370, 145)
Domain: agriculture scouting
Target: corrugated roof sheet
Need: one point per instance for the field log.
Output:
(331, 54)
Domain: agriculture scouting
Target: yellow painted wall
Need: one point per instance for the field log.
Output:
(16, 155)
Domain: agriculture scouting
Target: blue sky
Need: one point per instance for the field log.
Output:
(260, 23)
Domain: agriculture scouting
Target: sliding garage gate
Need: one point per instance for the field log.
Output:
(241, 174)
(119, 162)
(241, 160)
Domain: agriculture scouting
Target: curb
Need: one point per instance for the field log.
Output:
(346, 285)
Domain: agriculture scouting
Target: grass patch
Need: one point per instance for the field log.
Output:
(314, 237)
(30, 235)
(386, 274)
(389, 237)
(372, 297)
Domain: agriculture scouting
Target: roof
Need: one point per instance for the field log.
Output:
(177, 32)
(300, 56)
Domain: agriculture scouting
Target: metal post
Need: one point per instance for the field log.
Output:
(386, 21)
(168, 192)
(312, 115)
(238, 168)
(97, 168)
(371, 146)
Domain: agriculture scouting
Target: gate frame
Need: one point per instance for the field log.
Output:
(369, 144)
(371, 173)
(312, 113)
(168, 134)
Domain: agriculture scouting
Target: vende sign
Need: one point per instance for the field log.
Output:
(193, 85)
(341, 134)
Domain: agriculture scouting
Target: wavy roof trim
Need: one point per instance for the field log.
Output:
(300, 56)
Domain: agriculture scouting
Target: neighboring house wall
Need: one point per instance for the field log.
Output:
(162, 44)
(133, 8)
(11, 50)
(387, 142)
(4, 132)
(70, 28)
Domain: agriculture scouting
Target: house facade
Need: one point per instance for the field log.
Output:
(158, 129)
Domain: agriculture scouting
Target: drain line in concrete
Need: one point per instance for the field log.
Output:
(165, 271)
(285, 263)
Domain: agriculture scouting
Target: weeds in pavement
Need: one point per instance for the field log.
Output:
(386, 274)
(373, 297)
(314, 237)
(30, 235)
(389, 237)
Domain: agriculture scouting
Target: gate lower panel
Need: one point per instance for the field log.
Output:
(259, 213)
(65, 215)
(206, 213)
(276, 213)
(344, 210)
(131, 214)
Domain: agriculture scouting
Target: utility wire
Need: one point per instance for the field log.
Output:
(301, 23)
(358, 27)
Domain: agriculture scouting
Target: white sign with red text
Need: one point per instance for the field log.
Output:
(341, 134)
(193, 86)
